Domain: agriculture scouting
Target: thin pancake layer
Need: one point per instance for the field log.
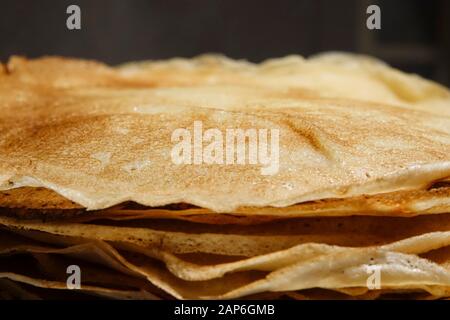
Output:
(329, 147)
(42, 203)
(182, 237)
(305, 267)
(328, 74)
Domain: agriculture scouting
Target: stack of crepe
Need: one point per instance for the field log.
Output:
(87, 179)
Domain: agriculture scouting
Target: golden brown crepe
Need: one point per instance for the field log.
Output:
(86, 178)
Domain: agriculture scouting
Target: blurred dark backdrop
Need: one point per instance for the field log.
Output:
(415, 34)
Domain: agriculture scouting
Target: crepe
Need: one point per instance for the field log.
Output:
(41, 203)
(402, 269)
(358, 178)
(332, 74)
(68, 154)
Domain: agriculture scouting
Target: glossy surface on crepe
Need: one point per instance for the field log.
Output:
(98, 138)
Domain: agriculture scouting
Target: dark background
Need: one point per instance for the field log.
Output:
(415, 34)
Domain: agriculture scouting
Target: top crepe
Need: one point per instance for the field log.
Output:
(100, 136)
